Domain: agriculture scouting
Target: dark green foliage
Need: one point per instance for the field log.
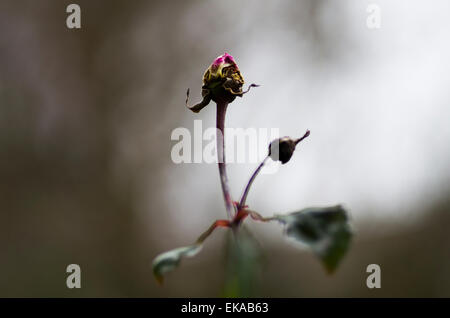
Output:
(325, 230)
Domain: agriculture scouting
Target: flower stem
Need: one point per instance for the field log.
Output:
(249, 184)
(221, 111)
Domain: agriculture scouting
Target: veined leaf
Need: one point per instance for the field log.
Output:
(325, 230)
(169, 260)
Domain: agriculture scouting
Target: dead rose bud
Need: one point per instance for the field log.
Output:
(222, 82)
(283, 148)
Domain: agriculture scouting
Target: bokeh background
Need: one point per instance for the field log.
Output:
(86, 118)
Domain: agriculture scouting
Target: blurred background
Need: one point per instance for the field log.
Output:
(86, 117)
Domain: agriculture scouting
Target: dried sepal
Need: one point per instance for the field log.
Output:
(199, 106)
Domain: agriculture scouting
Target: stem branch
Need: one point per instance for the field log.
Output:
(249, 184)
(218, 223)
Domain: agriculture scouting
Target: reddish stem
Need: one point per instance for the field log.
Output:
(239, 217)
(218, 223)
(221, 111)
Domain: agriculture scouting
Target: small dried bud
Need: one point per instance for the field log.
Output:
(222, 82)
(283, 148)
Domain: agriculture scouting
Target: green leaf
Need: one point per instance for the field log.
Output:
(325, 230)
(170, 260)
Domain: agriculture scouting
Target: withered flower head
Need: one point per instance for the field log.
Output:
(222, 77)
(222, 82)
